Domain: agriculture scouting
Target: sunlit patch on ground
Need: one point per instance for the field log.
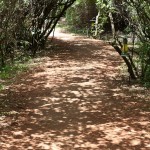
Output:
(75, 100)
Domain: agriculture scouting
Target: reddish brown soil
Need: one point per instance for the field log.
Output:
(75, 99)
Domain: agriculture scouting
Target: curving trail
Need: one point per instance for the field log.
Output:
(75, 99)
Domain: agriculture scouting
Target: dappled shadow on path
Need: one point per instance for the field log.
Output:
(76, 100)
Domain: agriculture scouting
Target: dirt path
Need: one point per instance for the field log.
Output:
(75, 100)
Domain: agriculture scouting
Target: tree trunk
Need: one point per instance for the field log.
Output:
(129, 65)
(96, 24)
(112, 25)
(2, 58)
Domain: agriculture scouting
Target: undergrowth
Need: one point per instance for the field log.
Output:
(10, 71)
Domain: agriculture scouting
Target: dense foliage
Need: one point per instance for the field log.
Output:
(26, 25)
(81, 13)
